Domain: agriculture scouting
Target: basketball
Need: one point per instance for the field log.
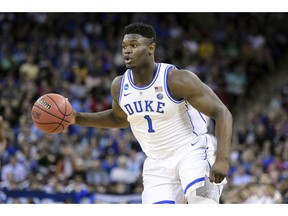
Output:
(52, 113)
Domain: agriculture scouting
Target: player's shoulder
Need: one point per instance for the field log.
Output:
(174, 68)
(165, 66)
(177, 73)
(117, 80)
(115, 85)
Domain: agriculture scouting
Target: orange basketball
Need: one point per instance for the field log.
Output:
(52, 113)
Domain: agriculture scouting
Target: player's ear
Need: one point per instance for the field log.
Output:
(152, 48)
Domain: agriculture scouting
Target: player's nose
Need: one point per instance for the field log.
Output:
(127, 50)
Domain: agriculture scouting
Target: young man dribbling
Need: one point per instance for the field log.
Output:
(166, 109)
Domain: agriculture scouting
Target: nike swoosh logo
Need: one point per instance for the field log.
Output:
(192, 144)
(127, 94)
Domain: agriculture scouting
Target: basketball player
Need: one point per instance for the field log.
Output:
(166, 108)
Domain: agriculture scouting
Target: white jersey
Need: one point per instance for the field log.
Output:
(160, 123)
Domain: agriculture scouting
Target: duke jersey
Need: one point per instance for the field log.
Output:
(160, 123)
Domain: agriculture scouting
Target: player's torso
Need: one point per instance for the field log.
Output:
(160, 123)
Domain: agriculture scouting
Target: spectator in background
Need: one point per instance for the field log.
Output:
(241, 177)
(2, 136)
(96, 175)
(29, 70)
(236, 84)
(3, 143)
(66, 165)
(18, 171)
(121, 173)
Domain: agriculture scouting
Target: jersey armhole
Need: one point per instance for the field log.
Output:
(121, 88)
(168, 68)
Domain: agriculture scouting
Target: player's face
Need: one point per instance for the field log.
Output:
(135, 50)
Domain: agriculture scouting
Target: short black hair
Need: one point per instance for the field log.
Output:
(140, 28)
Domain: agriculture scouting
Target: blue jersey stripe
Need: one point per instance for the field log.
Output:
(202, 117)
(190, 118)
(121, 88)
(158, 66)
(209, 164)
(193, 182)
(168, 68)
(165, 202)
(206, 153)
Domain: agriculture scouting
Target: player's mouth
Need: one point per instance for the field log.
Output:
(128, 60)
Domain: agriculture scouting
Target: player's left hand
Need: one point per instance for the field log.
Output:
(218, 171)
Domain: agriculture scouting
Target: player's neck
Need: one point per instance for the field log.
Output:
(144, 75)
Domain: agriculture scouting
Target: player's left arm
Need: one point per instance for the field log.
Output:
(185, 84)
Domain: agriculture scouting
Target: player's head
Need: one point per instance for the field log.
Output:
(142, 29)
(138, 45)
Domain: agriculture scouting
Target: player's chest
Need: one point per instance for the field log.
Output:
(143, 101)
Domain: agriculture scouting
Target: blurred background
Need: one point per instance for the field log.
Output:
(241, 56)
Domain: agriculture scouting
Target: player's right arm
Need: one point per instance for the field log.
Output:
(111, 118)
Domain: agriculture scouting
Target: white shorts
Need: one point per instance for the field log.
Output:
(172, 179)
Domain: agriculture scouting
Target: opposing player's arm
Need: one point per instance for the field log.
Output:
(185, 84)
(111, 118)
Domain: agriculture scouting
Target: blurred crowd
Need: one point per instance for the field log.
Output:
(259, 156)
(78, 55)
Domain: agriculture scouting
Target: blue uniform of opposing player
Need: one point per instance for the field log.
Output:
(167, 109)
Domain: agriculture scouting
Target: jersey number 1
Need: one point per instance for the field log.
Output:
(150, 128)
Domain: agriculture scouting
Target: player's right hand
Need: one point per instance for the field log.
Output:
(74, 118)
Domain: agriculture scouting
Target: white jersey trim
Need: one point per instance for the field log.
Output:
(121, 88)
(168, 68)
(158, 66)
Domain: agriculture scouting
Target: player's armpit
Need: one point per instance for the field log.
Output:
(120, 115)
